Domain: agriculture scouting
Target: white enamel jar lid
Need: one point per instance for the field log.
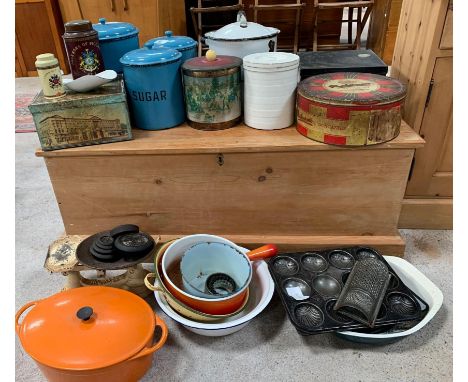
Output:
(270, 61)
(242, 30)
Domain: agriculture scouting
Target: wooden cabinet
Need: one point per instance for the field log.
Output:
(151, 17)
(33, 38)
(383, 28)
(423, 59)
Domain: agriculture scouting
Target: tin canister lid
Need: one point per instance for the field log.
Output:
(180, 43)
(270, 61)
(45, 60)
(114, 30)
(78, 26)
(145, 57)
(203, 64)
(349, 88)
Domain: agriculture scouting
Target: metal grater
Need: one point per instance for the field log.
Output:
(364, 291)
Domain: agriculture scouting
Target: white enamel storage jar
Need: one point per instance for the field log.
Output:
(270, 81)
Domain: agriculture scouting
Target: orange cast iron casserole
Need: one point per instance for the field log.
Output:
(91, 334)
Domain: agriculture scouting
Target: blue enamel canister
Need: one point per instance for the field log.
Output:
(185, 45)
(116, 39)
(154, 87)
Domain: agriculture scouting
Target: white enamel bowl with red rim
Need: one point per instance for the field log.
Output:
(261, 291)
(217, 306)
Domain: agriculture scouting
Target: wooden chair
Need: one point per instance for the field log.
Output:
(360, 21)
(197, 18)
(298, 6)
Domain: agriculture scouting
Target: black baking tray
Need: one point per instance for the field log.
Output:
(322, 275)
(361, 61)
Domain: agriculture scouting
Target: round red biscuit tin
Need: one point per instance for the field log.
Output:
(350, 109)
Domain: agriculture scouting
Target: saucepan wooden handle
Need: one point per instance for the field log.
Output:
(262, 252)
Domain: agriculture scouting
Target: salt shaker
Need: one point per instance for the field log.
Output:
(50, 75)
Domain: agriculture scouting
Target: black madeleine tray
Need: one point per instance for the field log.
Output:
(309, 284)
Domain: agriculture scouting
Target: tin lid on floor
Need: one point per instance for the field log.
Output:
(270, 61)
(349, 88)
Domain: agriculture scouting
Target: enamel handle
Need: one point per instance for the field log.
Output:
(157, 345)
(20, 312)
(263, 252)
(149, 285)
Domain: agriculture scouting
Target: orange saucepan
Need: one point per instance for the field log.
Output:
(223, 305)
(90, 334)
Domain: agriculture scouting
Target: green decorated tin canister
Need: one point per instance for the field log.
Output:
(212, 91)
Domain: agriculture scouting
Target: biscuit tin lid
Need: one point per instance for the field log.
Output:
(349, 88)
(114, 30)
(109, 93)
(145, 56)
(204, 64)
(170, 41)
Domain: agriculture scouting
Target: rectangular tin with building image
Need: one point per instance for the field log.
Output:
(82, 119)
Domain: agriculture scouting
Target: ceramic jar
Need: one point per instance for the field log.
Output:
(212, 92)
(50, 75)
(116, 39)
(242, 38)
(270, 82)
(82, 46)
(154, 87)
(185, 45)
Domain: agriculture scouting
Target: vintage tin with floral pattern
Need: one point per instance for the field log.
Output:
(50, 75)
(212, 92)
(350, 109)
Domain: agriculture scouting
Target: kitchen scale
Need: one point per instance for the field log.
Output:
(70, 255)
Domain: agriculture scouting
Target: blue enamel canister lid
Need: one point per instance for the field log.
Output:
(180, 43)
(114, 30)
(145, 57)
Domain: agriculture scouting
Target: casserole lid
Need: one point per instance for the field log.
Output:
(270, 61)
(350, 88)
(209, 64)
(114, 30)
(242, 30)
(87, 328)
(145, 56)
(170, 41)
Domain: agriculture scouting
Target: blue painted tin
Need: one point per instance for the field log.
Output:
(116, 39)
(154, 87)
(185, 45)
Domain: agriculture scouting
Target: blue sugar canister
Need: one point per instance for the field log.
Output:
(154, 87)
(185, 45)
(116, 39)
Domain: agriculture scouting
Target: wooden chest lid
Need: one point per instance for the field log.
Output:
(350, 88)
